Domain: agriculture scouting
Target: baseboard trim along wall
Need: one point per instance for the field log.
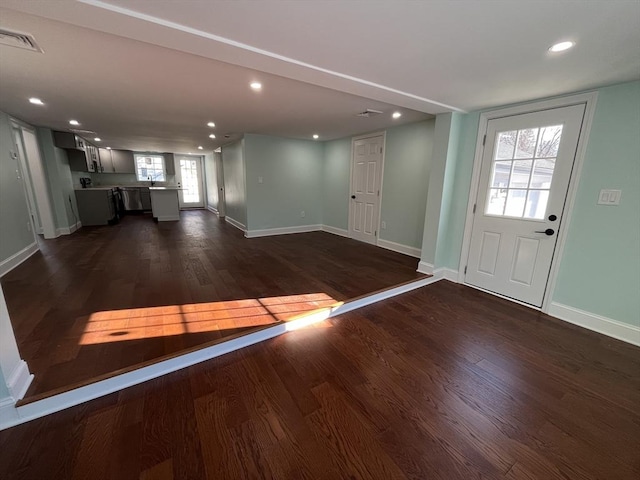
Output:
(17, 258)
(235, 223)
(336, 231)
(426, 268)
(14, 416)
(591, 321)
(68, 230)
(398, 247)
(282, 231)
(212, 209)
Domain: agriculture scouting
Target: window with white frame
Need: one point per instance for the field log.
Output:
(150, 168)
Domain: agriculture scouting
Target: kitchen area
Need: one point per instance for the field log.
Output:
(110, 183)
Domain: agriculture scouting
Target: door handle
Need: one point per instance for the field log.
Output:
(353, 196)
(548, 231)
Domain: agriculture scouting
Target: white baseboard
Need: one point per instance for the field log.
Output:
(212, 209)
(19, 380)
(398, 247)
(282, 231)
(446, 273)
(426, 268)
(235, 223)
(606, 326)
(68, 230)
(169, 218)
(16, 259)
(336, 231)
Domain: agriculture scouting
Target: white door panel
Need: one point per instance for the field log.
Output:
(189, 178)
(525, 173)
(365, 188)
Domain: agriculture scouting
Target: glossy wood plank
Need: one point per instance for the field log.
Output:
(53, 297)
(441, 383)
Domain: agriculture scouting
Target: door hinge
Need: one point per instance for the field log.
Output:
(465, 270)
(375, 233)
(484, 140)
(380, 149)
(378, 192)
(474, 208)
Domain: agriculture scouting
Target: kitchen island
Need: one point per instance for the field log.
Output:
(164, 203)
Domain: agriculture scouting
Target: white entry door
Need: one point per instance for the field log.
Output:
(366, 176)
(526, 168)
(189, 178)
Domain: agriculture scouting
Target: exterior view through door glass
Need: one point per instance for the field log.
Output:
(189, 178)
(524, 178)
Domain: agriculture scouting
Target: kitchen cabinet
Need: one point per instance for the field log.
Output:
(79, 162)
(96, 206)
(68, 140)
(106, 162)
(123, 161)
(92, 157)
(145, 197)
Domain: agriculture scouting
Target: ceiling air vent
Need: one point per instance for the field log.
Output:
(369, 113)
(79, 131)
(19, 40)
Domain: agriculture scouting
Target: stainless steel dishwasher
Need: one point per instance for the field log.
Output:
(131, 199)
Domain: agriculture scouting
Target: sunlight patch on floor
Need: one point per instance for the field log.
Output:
(299, 311)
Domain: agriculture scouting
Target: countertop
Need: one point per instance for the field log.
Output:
(165, 188)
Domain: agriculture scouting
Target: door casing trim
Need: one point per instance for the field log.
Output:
(589, 99)
(383, 134)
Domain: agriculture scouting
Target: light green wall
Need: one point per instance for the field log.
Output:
(59, 179)
(600, 269)
(407, 161)
(291, 172)
(441, 145)
(335, 183)
(211, 179)
(15, 224)
(234, 181)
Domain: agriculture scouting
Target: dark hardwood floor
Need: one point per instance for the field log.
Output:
(442, 383)
(81, 308)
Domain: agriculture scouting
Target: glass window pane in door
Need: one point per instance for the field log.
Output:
(495, 202)
(520, 174)
(536, 204)
(549, 141)
(500, 176)
(543, 173)
(526, 143)
(190, 183)
(515, 203)
(506, 142)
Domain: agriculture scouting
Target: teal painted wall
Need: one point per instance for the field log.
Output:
(15, 230)
(234, 181)
(407, 161)
(335, 183)
(211, 180)
(291, 172)
(59, 178)
(600, 269)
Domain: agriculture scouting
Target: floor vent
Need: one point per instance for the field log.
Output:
(369, 113)
(19, 40)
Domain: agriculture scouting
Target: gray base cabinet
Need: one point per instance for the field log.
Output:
(96, 206)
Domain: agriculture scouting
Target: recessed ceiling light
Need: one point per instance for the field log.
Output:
(316, 136)
(396, 115)
(211, 124)
(561, 47)
(97, 139)
(199, 147)
(74, 122)
(212, 136)
(36, 101)
(108, 148)
(256, 85)
(189, 153)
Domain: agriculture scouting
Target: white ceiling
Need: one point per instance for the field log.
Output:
(149, 74)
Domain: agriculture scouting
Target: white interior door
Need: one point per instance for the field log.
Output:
(26, 178)
(189, 178)
(526, 168)
(366, 176)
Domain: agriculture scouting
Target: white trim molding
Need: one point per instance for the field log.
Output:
(19, 380)
(213, 210)
(446, 274)
(336, 231)
(424, 267)
(68, 230)
(168, 218)
(235, 223)
(398, 247)
(597, 323)
(11, 416)
(282, 231)
(17, 258)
